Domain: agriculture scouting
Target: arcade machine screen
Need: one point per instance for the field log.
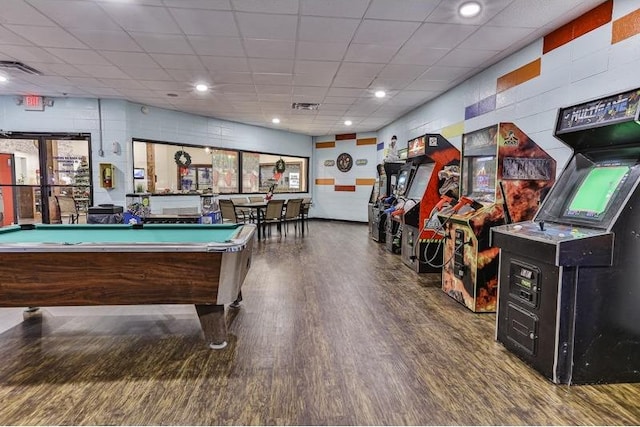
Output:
(596, 191)
(480, 180)
(420, 181)
(401, 186)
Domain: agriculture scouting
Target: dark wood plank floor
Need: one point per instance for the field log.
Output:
(333, 330)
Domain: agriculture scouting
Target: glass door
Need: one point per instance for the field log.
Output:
(35, 169)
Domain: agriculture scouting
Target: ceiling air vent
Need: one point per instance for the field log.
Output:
(305, 106)
(19, 66)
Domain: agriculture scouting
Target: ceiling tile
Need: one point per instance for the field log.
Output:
(28, 54)
(223, 77)
(316, 67)
(265, 48)
(440, 35)
(445, 73)
(142, 19)
(86, 82)
(429, 85)
(405, 10)
(388, 33)
(390, 84)
(270, 6)
(9, 37)
(359, 69)
(275, 89)
(494, 38)
(259, 65)
(21, 13)
(447, 12)
(130, 59)
(107, 40)
(216, 46)
(103, 71)
(321, 51)
(348, 100)
(47, 36)
(154, 73)
(79, 56)
(419, 55)
(309, 91)
(122, 84)
(162, 43)
(334, 91)
(335, 8)
(76, 14)
(163, 85)
(466, 57)
(236, 88)
(225, 63)
(206, 22)
(359, 52)
(320, 29)
(200, 4)
(179, 62)
(194, 75)
(254, 25)
(272, 79)
(352, 81)
(312, 80)
(66, 70)
(401, 71)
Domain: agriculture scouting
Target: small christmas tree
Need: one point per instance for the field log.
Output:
(82, 184)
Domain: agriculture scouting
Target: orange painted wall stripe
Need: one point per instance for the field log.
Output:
(519, 76)
(365, 181)
(367, 141)
(625, 27)
(345, 136)
(329, 144)
(325, 181)
(345, 188)
(591, 20)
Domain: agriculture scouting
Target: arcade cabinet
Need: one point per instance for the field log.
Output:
(569, 292)
(383, 187)
(437, 164)
(504, 177)
(393, 227)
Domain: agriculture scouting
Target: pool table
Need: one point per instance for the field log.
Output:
(75, 265)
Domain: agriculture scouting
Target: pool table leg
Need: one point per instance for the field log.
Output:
(213, 325)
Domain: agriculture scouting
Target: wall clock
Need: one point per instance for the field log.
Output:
(344, 162)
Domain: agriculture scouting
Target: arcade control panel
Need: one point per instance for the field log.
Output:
(557, 244)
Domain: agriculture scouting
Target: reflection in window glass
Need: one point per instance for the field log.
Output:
(224, 177)
(250, 172)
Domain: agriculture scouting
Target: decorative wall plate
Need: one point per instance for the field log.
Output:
(344, 162)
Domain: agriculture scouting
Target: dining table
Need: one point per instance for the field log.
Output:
(259, 208)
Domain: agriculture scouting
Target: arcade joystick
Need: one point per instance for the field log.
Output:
(466, 201)
(443, 200)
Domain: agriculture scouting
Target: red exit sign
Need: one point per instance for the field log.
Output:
(33, 103)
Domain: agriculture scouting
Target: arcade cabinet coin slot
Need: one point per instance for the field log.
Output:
(458, 258)
(524, 284)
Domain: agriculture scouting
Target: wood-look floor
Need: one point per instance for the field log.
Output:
(333, 330)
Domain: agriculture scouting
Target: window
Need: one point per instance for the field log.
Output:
(178, 168)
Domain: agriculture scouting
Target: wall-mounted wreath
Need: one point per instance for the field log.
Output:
(183, 159)
(280, 166)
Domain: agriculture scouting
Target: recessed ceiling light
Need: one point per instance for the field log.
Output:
(201, 87)
(275, 120)
(3, 79)
(469, 9)
(380, 94)
(348, 122)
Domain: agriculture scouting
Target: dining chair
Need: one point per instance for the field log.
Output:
(228, 212)
(292, 214)
(304, 210)
(273, 215)
(68, 208)
(256, 199)
(245, 213)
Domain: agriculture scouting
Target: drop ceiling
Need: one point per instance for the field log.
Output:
(260, 56)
